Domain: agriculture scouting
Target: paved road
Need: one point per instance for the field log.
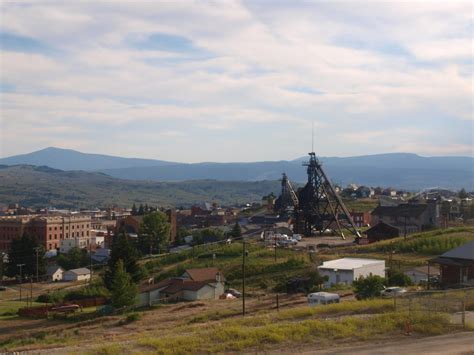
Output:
(452, 344)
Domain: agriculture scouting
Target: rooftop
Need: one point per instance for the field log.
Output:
(465, 252)
(349, 263)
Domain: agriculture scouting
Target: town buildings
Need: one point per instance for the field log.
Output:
(408, 217)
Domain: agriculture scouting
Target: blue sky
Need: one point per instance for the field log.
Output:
(237, 80)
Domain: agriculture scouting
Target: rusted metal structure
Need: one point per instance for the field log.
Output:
(315, 208)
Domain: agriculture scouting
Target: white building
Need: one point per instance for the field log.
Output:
(54, 273)
(78, 242)
(80, 274)
(346, 270)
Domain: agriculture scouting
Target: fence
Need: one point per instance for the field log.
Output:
(457, 302)
(42, 311)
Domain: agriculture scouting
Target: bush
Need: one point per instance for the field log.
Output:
(53, 297)
(368, 287)
(397, 278)
(133, 317)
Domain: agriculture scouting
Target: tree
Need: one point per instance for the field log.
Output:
(23, 251)
(236, 231)
(73, 259)
(207, 235)
(141, 210)
(134, 210)
(463, 193)
(123, 291)
(123, 250)
(181, 233)
(154, 232)
(368, 287)
(397, 278)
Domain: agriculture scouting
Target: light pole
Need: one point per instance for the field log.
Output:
(244, 254)
(20, 266)
(37, 268)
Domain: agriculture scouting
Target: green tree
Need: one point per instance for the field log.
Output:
(141, 210)
(463, 193)
(154, 233)
(368, 287)
(23, 251)
(236, 231)
(122, 249)
(181, 233)
(134, 210)
(123, 291)
(207, 235)
(73, 259)
(397, 278)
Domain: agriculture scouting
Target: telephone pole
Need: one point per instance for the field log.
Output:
(244, 251)
(90, 261)
(20, 266)
(37, 263)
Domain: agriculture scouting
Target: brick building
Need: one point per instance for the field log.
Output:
(49, 230)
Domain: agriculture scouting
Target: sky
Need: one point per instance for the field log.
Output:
(194, 81)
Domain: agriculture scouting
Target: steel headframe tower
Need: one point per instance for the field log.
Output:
(319, 207)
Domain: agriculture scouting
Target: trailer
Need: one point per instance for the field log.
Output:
(323, 298)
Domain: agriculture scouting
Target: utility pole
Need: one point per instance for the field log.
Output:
(20, 266)
(277, 300)
(244, 251)
(90, 261)
(37, 264)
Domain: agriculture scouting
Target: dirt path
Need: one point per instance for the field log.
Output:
(450, 344)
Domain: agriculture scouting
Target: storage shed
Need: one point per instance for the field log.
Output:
(346, 270)
(77, 274)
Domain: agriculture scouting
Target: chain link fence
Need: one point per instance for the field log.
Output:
(459, 303)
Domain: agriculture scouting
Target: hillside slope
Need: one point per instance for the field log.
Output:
(43, 186)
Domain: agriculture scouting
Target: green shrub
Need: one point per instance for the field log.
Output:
(368, 287)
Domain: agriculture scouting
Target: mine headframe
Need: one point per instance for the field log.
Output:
(319, 206)
(287, 202)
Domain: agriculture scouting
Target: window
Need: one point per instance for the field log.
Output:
(55, 228)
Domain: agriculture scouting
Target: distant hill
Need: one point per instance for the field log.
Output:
(68, 159)
(42, 186)
(399, 170)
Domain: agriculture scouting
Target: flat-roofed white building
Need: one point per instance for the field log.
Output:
(346, 270)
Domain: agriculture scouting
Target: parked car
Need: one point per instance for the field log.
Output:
(234, 292)
(393, 291)
(297, 237)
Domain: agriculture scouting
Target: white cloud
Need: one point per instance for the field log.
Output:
(364, 66)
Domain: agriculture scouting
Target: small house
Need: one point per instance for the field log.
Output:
(81, 274)
(55, 273)
(457, 266)
(382, 231)
(346, 270)
(194, 284)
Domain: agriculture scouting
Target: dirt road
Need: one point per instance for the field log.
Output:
(452, 344)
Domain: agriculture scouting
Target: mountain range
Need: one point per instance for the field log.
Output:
(398, 170)
(41, 186)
